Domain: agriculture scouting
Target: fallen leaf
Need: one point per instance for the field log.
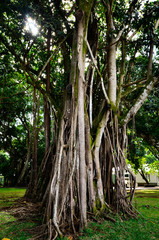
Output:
(70, 237)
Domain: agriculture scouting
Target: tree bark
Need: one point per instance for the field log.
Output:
(28, 157)
(89, 162)
(111, 55)
(81, 123)
(97, 144)
(46, 102)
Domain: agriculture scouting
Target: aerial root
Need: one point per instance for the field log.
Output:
(56, 235)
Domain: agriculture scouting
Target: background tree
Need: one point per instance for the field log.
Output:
(143, 141)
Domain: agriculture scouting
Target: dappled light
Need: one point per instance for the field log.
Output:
(31, 26)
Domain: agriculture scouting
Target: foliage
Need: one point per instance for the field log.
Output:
(143, 140)
(147, 119)
(141, 158)
(154, 167)
(4, 164)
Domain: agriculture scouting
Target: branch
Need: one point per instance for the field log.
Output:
(18, 93)
(49, 59)
(132, 83)
(119, 35)
(134, 33)
(122, 73)
(24, 66)
(11, 49)
(140, 100)
(101, 78)
(131, 89)
(130, 10)
(28, 71)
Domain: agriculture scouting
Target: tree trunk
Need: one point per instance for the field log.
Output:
(28, 157)
(89, 162)
(143, 176)
(46, 102)
(81, 122)
(97, 144)
(30, 193)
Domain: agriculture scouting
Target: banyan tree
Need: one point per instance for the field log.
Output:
(108, 68)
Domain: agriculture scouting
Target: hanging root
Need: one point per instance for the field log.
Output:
(57, 228)
(56, 235)
(119, 163)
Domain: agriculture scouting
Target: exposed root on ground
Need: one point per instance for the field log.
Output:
(25, 210)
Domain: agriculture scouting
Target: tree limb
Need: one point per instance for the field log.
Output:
(101, 78)
(140, 100)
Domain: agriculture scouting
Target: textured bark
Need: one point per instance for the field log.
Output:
(46, 102)
(112, 72)
(81, 123)
(91, 97)
(89, 161)
(97, 144)
(30, 193)
(101, 78)
(111, 54)
(122, 74)
(74, 176)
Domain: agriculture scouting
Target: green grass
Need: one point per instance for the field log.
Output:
(147, 228)
(147, 203)
(11, 227)
(9, 195)
(127, 230)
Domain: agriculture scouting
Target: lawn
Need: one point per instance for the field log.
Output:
(10, 226)
(143, 228)
(9, 195)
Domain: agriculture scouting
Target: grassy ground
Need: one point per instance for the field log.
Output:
(147, 228)
(9, 195)
(10, 226)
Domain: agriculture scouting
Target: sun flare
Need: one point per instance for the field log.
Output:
(31, 26)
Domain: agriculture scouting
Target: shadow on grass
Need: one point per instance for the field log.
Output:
(14, 229)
